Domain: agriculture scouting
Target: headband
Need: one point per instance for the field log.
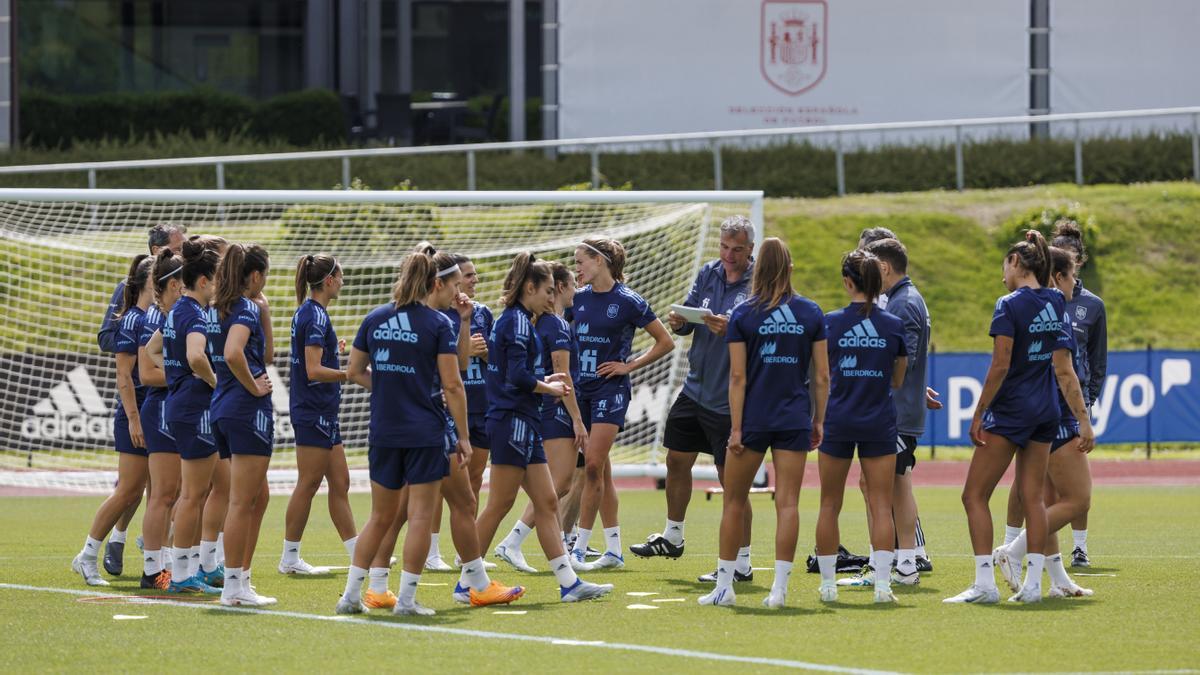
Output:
(597, 251)
(168, 275)
(448, 271)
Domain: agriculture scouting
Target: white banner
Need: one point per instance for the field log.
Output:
(661, 66)
(1110, 55)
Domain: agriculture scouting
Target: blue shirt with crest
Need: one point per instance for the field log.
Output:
(779, 343)
(475, 376)
(309, 399)
(403, 344)
(862, 355)
(188, 396)
(231, 400)
(1035, 320)
(604, 327)
(513, 349)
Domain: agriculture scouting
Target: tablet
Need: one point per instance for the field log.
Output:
(692, 314)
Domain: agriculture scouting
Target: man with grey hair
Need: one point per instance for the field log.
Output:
(699, 419)
(163, 235)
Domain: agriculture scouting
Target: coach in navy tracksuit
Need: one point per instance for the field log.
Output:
(161, 236)
(699, 418)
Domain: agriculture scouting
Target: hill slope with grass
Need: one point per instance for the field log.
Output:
(1144, 254)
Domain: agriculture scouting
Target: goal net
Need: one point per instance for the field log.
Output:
(62, 252)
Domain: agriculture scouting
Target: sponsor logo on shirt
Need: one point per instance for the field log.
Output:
(381, 363)
(1035, 352)
(1046, 322)
(781, 321)
(767, 355)
(848, 365)
(581, 333)
(396, 329)
(863, 335)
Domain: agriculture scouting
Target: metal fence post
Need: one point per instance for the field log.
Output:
(718, 181)
(958, 158)
(1153, 388)
(470, 169)
(345, 173)
(220, 176)
(1196, 147)
(841, 167)
(933, 416)
(595, 167)
(1078, 154)
(91, 179)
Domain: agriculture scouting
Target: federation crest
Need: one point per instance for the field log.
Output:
(793, 46)
(741, 297)
(1080, 312)
(613, 310)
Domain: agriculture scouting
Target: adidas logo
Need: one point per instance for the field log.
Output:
(397, 329)
(73, 409)
(781, 322)
(1046, 322)
(848, 361)
(863, 335)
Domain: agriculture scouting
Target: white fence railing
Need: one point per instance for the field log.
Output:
(714, 139)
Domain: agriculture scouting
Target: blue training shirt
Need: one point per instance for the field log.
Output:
(231, 400)
(152, 322)
(188, 396)
(604, 328)
(1066, 417)
(404, 344)
(1090, 321)
(475, 376)
(513, 349)
(779, 344)
(309, 399)
(1033, 318)
(862, 356)
(126, 342)
(554, 333)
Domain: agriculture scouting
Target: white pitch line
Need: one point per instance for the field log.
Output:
(483, 634)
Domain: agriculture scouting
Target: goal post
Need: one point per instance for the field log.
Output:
(63, 251)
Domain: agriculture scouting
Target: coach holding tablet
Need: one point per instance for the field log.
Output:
(699, 418)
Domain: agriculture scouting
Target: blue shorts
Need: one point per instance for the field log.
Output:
(798, 440)
(195, 441)
(1021, 434)
(123, 440)
(477, 428)
(1068, 430)
(245, 437)
(155, 428)
(845, 449)
(325, 432)
(516, 441)
(393, 468)
(558, 424)
(605, 410)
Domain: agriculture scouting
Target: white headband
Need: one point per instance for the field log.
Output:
(448, 271)
(168, 275)
(597, 251)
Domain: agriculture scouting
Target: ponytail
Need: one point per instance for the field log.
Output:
(135, 282)
(167, 265)
(862, 269)
(417, 274)
(610, 251)
(771, 284)
(1068, 235)
(525, 268)
(200, 259)
(1032, 255)
(234, 272)
(312, 271)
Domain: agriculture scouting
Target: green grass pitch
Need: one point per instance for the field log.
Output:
(1143, 617)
